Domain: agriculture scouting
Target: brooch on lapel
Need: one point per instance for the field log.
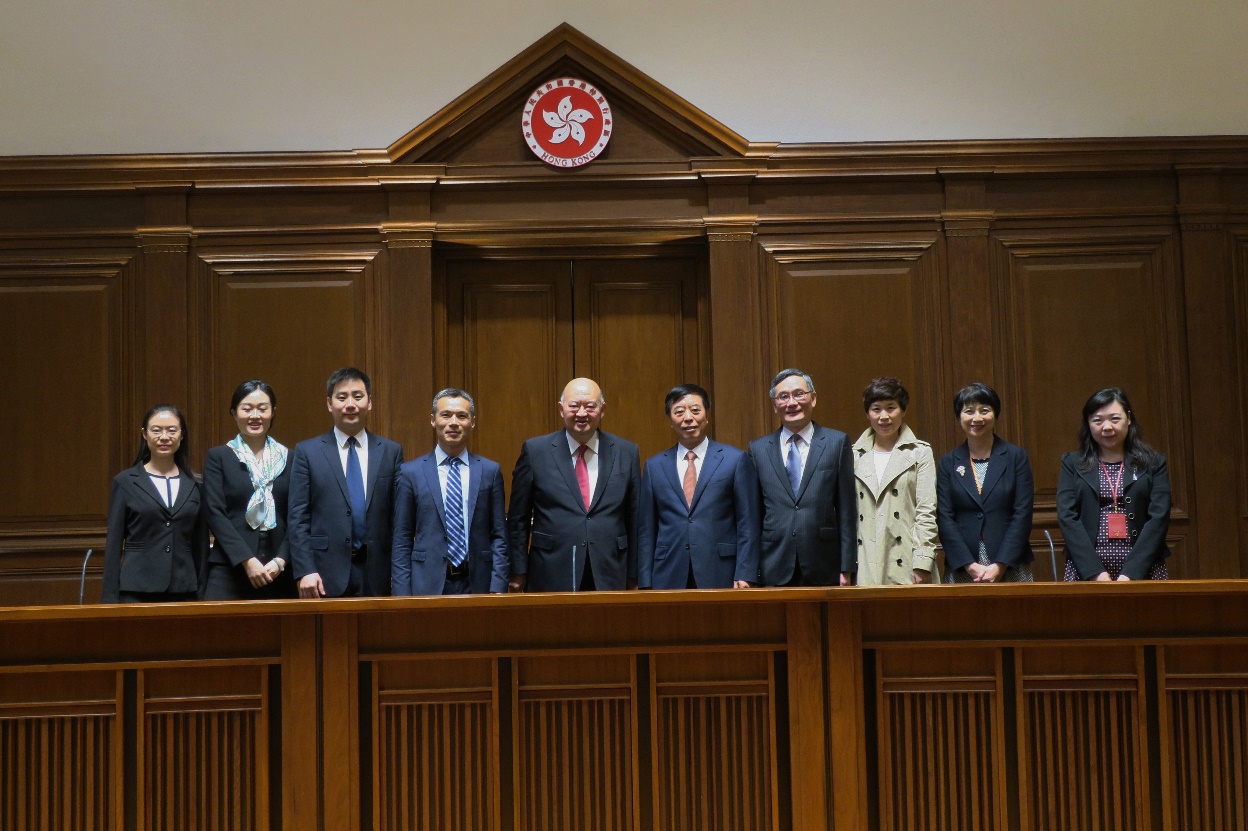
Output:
(961, 470)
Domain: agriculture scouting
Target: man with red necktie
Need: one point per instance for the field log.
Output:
(572, 517)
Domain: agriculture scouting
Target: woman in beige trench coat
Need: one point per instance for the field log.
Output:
(895, 475)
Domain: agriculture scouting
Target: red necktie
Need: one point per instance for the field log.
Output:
(582, 474)
(691, 478)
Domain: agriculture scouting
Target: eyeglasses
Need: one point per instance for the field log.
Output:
(797, 395)
(171, 432)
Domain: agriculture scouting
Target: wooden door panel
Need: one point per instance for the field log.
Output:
(636, 327)
(508, 344)
(288, 318)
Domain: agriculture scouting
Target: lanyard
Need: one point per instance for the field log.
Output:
(979, 486)
(1115, 488)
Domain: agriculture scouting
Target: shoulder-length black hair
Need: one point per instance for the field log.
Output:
(181, 456)
(1141, 455)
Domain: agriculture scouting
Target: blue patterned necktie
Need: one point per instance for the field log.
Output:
(458, 548)
(793, 464)
(355, 489)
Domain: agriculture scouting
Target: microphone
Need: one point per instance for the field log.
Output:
(574, 568)
(82, 581)
(1052, 554)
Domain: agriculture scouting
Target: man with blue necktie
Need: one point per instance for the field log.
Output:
(806, 483)
(341, 498)
(450, 526)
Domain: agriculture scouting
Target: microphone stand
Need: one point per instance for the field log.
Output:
(1052, 555)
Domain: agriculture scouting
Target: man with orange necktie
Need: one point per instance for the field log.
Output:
(697, 523)
(572, 517)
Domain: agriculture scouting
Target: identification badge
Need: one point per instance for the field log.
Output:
(1117, 526)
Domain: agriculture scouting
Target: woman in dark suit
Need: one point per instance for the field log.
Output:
(984, 491)
(157, 535)
(1113, 497)
(246, 482)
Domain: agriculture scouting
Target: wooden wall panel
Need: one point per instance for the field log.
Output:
(1080, 312)
(714, 759)
(60, 751)
(204, 756)
(61, 324)
(940, 740)
(575, 744)
(850, 309)
(436, 752)
(289, 317)
(1082, 741)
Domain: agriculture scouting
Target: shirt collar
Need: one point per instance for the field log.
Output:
(700, 451)
(440, 455)
(342, 437)
(807, 433)
(573, 444)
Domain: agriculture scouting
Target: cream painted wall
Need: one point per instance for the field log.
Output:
(136, 76)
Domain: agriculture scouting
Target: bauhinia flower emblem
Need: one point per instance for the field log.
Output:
(567, 122)
(961, 470)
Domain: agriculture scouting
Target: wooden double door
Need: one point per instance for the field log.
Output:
(515, 329)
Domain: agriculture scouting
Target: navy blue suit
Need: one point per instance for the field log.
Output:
(418, 558)
(717, 536)
(1001, 515)
(318, 530)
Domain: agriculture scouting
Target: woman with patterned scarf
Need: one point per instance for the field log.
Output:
(246, 482)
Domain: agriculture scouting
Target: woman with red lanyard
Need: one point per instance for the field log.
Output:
(1113, 497)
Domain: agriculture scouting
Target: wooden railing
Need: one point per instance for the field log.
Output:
(1001, 707)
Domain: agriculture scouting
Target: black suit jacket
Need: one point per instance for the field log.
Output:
(227, 490)
(818, 528)
(150, 547)
(1001, 515)
(546, 508)
(319, 521)
(1146, 499)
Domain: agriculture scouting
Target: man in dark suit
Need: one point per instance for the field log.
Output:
(572, 518)
(450, 526)
(806, 479)
(698, 517)
(341, 498)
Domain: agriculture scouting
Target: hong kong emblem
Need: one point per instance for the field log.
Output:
(567, 122)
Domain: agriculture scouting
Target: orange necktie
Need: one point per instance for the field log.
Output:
(691, 478)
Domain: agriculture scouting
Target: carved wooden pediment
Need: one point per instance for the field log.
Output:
(482, 126)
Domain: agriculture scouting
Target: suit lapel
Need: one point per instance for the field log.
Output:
(899, 461)
(996, 466)
(329, 447)
(185, 485)
(606, 459)
(1093, 478)
(429, 469)
(668, 462)
(564, 462)
(714, 458)
(474, 486)
(374, 467)
(777, 466)
(966, 474)
(144, 485)
(818, 444)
